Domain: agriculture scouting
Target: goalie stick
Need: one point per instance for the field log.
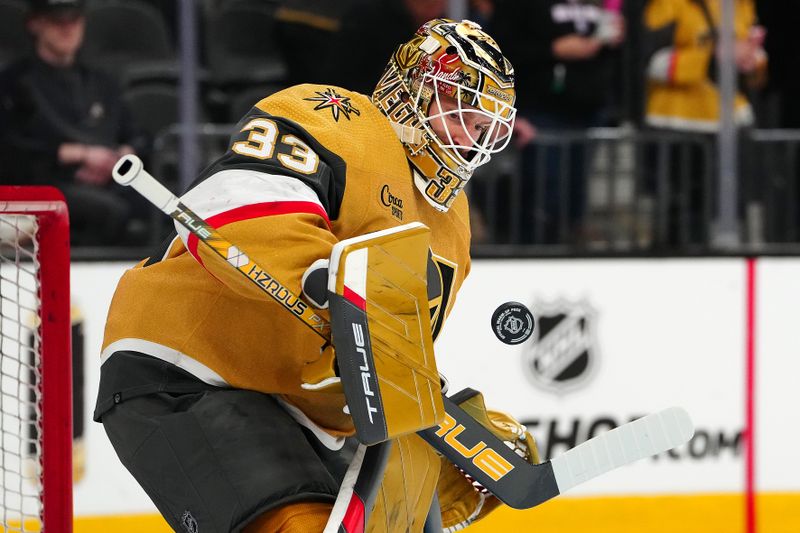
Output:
(522, 485)
(359, 489)
(460, 438)
(129, 171)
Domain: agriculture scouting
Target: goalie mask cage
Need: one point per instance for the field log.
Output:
(35, 362)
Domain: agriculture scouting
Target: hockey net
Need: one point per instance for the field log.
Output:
(35, 362)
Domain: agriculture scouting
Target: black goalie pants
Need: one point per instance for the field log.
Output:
(213, 460)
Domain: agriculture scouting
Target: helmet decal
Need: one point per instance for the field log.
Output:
(410, 53)
(482, 50)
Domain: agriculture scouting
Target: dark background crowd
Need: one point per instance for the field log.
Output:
(616, 144)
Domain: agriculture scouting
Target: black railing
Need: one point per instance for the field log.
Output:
(772, 169)
(598, 192)
(603, 188)
(634, 192)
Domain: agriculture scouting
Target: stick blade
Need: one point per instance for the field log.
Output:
(645, 437)
(485, 458)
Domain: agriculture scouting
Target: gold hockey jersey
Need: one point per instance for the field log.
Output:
(309, 166)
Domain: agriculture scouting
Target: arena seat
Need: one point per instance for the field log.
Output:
(14, 40)
(131, 39)
(240, 47)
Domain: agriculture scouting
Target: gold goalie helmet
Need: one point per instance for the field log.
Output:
(452, 78)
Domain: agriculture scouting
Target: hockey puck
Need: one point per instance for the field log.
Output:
(512, 323)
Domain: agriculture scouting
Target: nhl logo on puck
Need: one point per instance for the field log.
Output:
(512, 323)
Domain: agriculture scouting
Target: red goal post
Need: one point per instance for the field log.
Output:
(36, 362)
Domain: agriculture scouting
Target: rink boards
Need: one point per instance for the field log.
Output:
(616, 339)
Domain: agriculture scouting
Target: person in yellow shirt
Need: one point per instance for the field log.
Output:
(682, 90)
(682, 96)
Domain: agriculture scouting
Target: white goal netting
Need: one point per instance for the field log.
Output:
(35, 363)
(20, 376)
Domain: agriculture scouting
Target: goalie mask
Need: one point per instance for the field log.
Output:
(449, 95)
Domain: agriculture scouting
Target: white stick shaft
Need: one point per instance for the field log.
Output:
(129, 171)
(647, 436)
(346, 491)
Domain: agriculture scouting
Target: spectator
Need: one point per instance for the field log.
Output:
(682, 93)
(563, 52)
(682, 96)
(63, 123)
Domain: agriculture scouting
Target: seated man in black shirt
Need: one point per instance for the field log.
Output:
(63, 123)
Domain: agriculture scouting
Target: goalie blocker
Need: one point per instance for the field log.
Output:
(380, 325)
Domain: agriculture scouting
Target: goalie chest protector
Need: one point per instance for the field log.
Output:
(363, 181)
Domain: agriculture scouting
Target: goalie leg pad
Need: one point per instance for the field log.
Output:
(408, 486)
(380, 324)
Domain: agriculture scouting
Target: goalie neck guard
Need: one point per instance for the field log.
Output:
(449, 95)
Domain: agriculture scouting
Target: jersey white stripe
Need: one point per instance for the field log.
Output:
(159, 351)
(231, 189)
